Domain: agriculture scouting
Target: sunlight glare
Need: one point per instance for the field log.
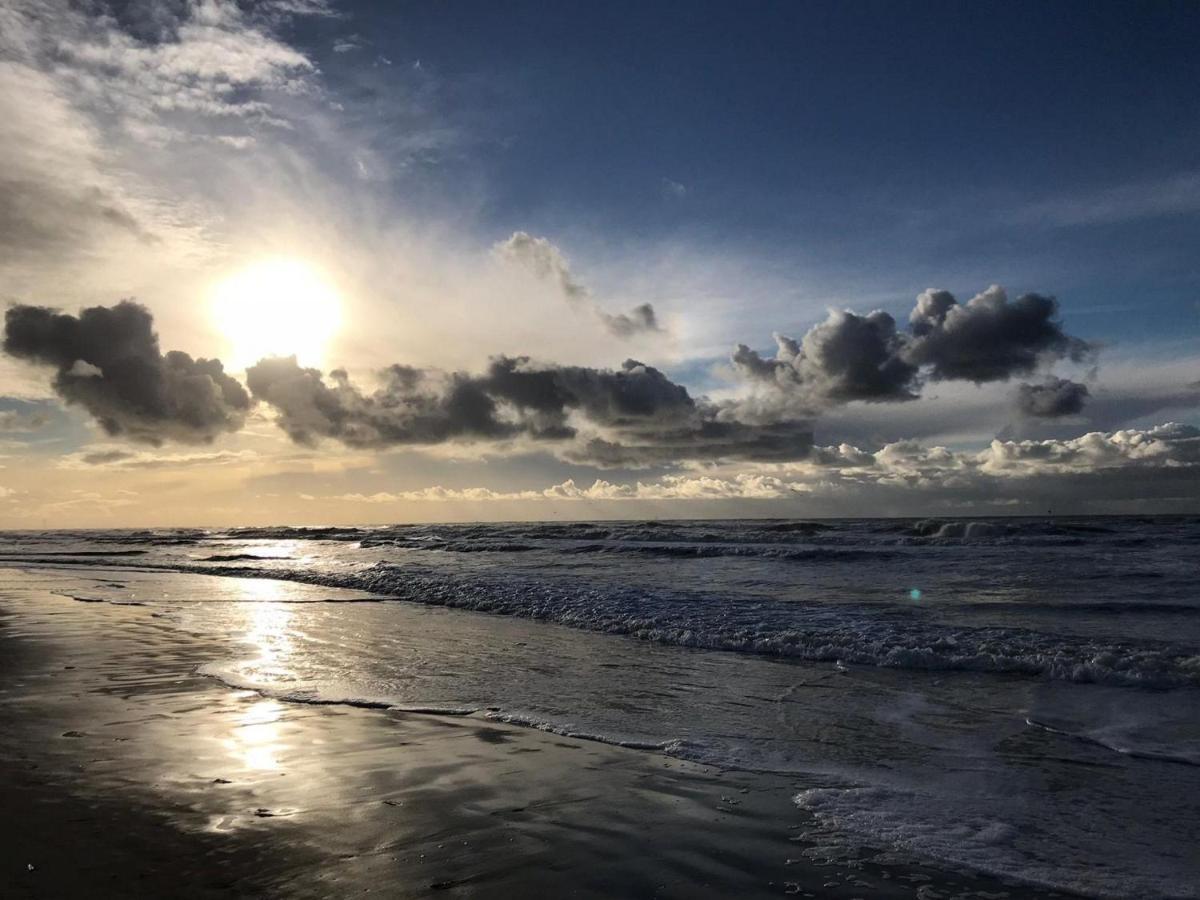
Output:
(276, 307)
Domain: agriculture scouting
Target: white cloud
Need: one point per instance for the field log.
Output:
(901, 465)
(548, 263)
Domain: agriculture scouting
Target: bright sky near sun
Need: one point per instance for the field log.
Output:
(462, 219)
(276, 307)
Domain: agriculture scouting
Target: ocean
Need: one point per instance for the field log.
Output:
(1019, 697)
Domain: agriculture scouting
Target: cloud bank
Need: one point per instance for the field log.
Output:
(633, 415)
(1006, 472)
(107, 360)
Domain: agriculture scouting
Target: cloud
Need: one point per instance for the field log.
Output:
(633, 415)
(852, 357)
(1052, 399)
(1175, 195)
(122, 458)
(638, 320)
(1006, 473)
(54, 197)
(669, 487)
(1165, 446)
(847, 357)
(544, 260)
(22, 420)
(102, 108)
(673, 189)
(107, 360)
(547, 262)
(989, 338)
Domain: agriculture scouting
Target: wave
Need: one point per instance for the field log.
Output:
(238, 557)
(294, 533)
(449, 546)
(676, 747)
(231, 679)
(12, 554)
(708, 551)
(1125, 749)
(922, 824)
(796, 631)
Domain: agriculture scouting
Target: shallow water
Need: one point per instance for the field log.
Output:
(1016, 696)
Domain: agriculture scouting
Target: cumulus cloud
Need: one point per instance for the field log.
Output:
(107, 360)
(547, 262)
(669, 487)
(846, 357)
(855, 357)
(1165, 446)
(1052, 399)
(989, 338)
(633, 415)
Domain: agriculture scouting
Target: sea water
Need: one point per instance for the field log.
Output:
(1015, 696)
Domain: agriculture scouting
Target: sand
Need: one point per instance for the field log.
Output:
(126, 773)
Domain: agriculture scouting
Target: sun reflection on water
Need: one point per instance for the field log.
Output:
(255, 741)
(267, 628)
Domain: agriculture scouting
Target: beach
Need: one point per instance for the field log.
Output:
(131, 774)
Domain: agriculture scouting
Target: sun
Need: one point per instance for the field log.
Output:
(276, 307)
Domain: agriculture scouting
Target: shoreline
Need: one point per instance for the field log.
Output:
(134, 774)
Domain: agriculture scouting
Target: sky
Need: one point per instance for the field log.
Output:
(306, 261)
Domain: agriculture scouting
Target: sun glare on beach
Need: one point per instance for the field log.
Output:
(276, 307)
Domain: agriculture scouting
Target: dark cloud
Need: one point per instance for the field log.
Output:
(846, 357)
(710, 439)
(639, 416)
(105, 457)
(990, 338)
(638, 320)
(854, 357)
(1053, 398)
(107, 360)
(411, 407)
(48, 216)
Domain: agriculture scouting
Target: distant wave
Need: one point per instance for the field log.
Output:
(239, 557)
(9, 554)
(703, 551)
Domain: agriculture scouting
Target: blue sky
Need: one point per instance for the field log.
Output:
(883, 144)
(451, 187)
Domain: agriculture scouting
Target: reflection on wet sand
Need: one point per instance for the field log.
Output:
(254, 741)
(175, 785)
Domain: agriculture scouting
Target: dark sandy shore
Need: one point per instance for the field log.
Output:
(125, 773)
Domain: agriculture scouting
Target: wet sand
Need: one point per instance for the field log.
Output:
(126, 773)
